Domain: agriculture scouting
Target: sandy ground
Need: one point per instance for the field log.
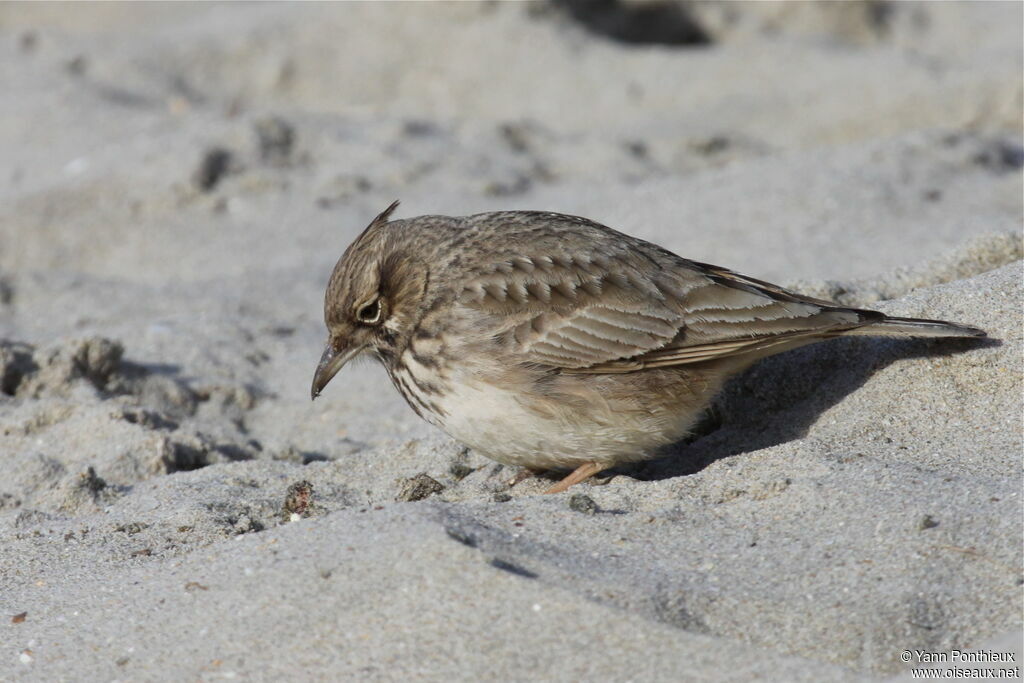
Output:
(178, 181)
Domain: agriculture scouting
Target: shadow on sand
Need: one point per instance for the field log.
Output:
(779, 398)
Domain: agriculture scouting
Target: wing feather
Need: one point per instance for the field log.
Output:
(627, 305)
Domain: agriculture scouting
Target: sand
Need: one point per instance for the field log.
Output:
(178, 182)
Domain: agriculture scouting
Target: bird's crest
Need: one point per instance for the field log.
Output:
(381, 219)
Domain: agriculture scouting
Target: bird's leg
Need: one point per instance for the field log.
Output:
(581, 473)
(523, 474)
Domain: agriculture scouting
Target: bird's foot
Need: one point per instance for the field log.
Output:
(581, 473)
(523, 474)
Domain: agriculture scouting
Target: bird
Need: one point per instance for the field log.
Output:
(548, 341)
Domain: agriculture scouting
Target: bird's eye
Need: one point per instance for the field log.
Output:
(369, 313)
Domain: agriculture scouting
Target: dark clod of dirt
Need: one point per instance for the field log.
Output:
(1001, 156)
(417, 488)
(638, 149)
(77, 65)
(215, 164)
(15, 363)
(28, 41)
(460, 470)
(580, 502)
(1011, 155)
(716, 144)
(419, 128)
(516, 136)
(927, 522)
(659, 22)
(276, 139)
(91, 482)
(298, 500)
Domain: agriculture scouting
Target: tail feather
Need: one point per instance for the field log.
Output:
(917, 327)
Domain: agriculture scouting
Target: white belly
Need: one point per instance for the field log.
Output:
(496, 423)
(505, 420)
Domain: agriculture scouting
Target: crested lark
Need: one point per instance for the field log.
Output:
(552, 342)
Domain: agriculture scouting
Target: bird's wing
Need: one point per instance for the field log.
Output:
(634, 308)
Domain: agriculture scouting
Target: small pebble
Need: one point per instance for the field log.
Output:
(460, 470)
(276, 138)
(417, 488)
(580, 502)
(28, 41)
(298, 500)
(214, 165)
(419, 128)
(77, 66)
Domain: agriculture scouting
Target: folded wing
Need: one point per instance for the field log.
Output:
(627, 307)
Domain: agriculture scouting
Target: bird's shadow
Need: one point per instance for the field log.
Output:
(779, 398)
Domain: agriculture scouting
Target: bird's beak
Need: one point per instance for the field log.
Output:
(332, 361)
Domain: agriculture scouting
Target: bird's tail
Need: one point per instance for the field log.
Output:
(916, 327)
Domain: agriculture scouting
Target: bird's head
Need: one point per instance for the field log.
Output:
(371, 299)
